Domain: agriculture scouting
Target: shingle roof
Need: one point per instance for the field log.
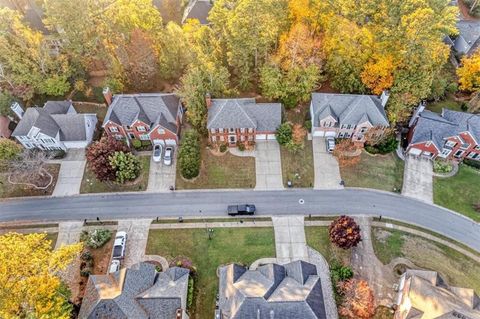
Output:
(347, 109)
(137, 292)
(35, 116)
(57, 107)
(198, 9)
(468, 38)
(436, 127)
(291, 291)
(244, 113)
(151, 108)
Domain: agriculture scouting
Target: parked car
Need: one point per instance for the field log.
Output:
(157, 153)
(114, 266)
(168, 156)
(330, 144)
(119, 245)
(246, 209)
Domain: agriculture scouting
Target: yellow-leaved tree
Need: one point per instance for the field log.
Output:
(30, 286)
(469, 73)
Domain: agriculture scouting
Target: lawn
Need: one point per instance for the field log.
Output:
(317, 238)
(90, 184)
(448, 103)
(298, 167)
(10, 190)
(242, 245)
(225, 171)
(459, 192)
(91, 108)
(384, 172)
(456, 268)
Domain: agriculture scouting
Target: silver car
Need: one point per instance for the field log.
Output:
(157, 153)
(114, 266)
(330, 142)
(168, 156)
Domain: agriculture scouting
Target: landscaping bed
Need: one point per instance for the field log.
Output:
(12, 190)
(242, 245)
(90, 184)
(460, 192)
(298, 166)
(384, 172)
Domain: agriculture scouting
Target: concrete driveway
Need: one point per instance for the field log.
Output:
(418, 178)
(161, 177)
(137, 236)
(290, 242)
(71, 173)
(268, 166)
(327, 171)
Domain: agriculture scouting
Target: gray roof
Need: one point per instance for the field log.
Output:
(468, 38)
(291, 291)
(150, 108)
(138, 292)
(53, 119)
(198, 9)
(435, 127)
(350, 109)
(244, 113)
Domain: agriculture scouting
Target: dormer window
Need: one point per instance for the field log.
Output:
(231, 130)
(141, 128)
(450, 144)
(113, 129)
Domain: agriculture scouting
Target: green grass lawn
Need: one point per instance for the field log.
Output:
(10, 190)
(317, 238)
(456, 268)
(90, 108)
(242, 245)
(226, 171)
(298, 167)
(90, 184)
(448, 103)
(459, 192)
(384, 172)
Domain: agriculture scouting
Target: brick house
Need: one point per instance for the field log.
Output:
(153, 117)
(348, 115)
(450, 135)
(56, 126)
(232, 121)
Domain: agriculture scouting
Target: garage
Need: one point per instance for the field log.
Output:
(330, 134)
(415, 151)
(271, 137)
(319, 133)
(157, 141)
(261, 137)
(170, 142)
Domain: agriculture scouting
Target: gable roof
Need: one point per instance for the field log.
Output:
(137, 292)
(468, 36)
(435, 127)
(244, 113)
(291, 291)
(198, 9)
(350, 109)
(57, 107)
(150, 108)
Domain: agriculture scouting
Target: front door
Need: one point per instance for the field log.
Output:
(232, 139)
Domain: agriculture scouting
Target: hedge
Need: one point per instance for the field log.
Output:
(189, 155)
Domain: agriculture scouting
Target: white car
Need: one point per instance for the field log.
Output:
(330, 142)
(168, 157)
(157, 153)
(114, 266)
(119, 245)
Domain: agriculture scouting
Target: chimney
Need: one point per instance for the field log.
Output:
(15, 107)
(384, 97)
(416, 113)
(208, 100)
(107, 94)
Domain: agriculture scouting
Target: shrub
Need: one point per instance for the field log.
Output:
(126, 165)
(472, 163)
(241, 147)
(189, 155)
(98, 155)
(9, 150)
(387, 145)
(308, 125)
(85, 272)
(284, 133)
(96, 238)
(441, 166)
(452, 87)
(464, 107)
(223, 148)
(86, 256)
(190, 292)
(358, 301)
(136, 144)
(344, 232)
(339, 272)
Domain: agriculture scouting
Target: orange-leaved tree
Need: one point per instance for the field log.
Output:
(358, 301)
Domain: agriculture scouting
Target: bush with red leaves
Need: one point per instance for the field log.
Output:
(97, 156)
(344, 232)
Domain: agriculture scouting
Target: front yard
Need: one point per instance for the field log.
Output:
(298, 167)
(90, 184)
(11, 190)
(241, 245)
(384, 172)
(459, 192)
(224, 171)
(317, 238)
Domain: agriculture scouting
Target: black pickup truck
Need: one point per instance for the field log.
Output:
(247, 209)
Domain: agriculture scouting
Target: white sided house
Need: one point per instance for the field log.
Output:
(56, 126)
(348, 115)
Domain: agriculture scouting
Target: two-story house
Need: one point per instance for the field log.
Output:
(232, 121)
(56, 126)
(348, 115)
(451, 135)
(153, 117)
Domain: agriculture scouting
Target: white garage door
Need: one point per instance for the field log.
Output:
(271, 137)
(161, 142)
(318, 133)
(261, 136)
(415, 151)
(330, 134)
(170, 142)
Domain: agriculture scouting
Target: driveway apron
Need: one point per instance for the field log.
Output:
(327, 171)
(137, 236)
(71, 173)
(268, 166)
(418, 179)
(161, 176)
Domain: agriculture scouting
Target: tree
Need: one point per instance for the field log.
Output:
(358, 301)
(126, 165)
(6, 101)
(284, 133)
(29, 283)
(189, 155)
(377, 74)
(98, 157)
(30, 169)
(346, 153)
(175, 52)
(344, 232)
(9, 150)
(469, 73)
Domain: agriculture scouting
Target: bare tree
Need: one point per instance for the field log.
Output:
(30, 170)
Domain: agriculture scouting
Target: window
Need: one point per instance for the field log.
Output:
(477, 147)
(242, 130)
(473, 155)
(232, 139)
(459, 153)
(450, 144)
(220, 130)
(250, 130)
(128, 127)
(141, 129)
(144, 137)
(242, 138)
(118, 137)
(161, 131)
(222, 139)
(212, 130)
(214, 138)
(250, 138)
(348, 135)
(363, 129)
(131, 135)
(113, 129)
(445, 152)
(340, 135)
(231, 130)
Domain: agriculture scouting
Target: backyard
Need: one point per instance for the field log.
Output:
(90, 184)
(10, 190)
(384, 172)
(456, 268)
(241, 245)
(298, 167)
(446, 191)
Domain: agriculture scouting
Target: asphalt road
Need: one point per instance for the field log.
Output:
(213, 203)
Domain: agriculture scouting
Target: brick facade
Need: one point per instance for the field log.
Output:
(224, 136)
